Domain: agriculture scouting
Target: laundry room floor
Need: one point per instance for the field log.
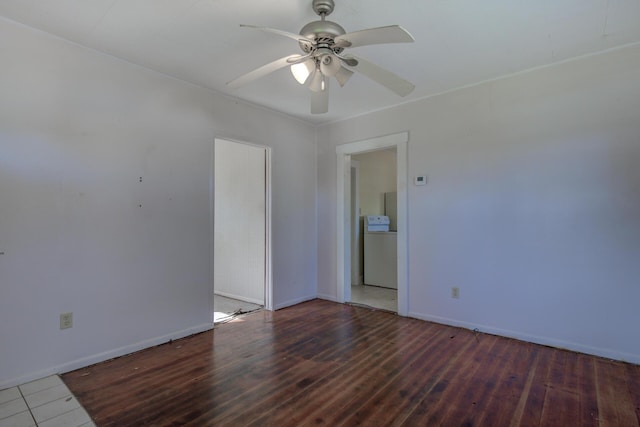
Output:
(375, 296)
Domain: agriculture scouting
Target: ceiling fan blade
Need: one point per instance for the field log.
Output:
(384, 77)
(320, 100)
(379, 35)
(294, 36)
(266, 69)
(343, 75)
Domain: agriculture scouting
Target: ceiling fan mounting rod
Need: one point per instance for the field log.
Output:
(323, 7)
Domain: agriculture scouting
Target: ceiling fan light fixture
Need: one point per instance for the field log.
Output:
(316, 82)
(327, 61)
(302, 71)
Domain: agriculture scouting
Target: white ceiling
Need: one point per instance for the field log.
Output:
(458, 42)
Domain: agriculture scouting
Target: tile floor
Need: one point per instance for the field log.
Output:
(227, 308)
(375, 296)
(45, 403)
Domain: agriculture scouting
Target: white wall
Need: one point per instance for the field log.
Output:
(77, 130)
(377, 176)
(532, 206)
(239, 224)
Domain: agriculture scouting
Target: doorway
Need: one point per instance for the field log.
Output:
(374, 253)
(344, 217)
(241, 228)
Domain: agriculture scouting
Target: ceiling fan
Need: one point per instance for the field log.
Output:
(323, 44)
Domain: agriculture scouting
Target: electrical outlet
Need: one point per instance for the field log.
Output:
(455, 292)
(66, 320)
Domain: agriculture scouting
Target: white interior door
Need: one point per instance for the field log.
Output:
(240, 221)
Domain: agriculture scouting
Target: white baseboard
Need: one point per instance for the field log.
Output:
(552, 342)
(101, 357)
(293, 302)
(327, 297)
(239, 297)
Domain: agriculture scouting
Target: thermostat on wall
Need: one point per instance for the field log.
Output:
(421, 180)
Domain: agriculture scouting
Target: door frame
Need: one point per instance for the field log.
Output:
(355, 219)
(268, 272)
(343, 213)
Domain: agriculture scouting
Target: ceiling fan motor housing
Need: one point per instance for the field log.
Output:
(322, 33)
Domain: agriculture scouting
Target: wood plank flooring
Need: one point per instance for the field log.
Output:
(322, 363)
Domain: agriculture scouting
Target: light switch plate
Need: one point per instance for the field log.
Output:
(421, 180)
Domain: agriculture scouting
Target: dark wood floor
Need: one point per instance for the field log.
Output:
(321, 363)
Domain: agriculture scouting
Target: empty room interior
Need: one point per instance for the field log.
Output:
(437, 223)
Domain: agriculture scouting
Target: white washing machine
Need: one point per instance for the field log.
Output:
(380, 253)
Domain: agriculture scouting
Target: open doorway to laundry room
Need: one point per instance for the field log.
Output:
(241, 229)
(349, 175)
(374, 227)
